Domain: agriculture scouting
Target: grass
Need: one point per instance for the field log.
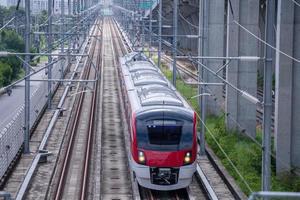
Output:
(242, 151)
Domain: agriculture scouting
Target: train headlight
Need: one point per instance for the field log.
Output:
(187, 158)
(141, 157)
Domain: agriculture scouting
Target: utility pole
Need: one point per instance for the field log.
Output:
(49, 50)
(175, 24)
(62, 30)
(69, 39)
(143, 33)
(266, 160)
(27, 80)
(150, 32)
(203, 49)
(159, 33)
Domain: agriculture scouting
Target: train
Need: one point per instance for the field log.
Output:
(162, 126)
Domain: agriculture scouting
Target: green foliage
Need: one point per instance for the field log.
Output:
(10, 68)
(5, 73)
(7, 13)
(10, 40)
(187, 91)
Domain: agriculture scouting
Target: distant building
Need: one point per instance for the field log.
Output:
(37, 6)
(9, 3)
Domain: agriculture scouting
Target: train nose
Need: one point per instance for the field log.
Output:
(164, 159)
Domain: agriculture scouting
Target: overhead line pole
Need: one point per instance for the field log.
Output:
(159, 33)
(175, 22)
(49, 50)
(266, 160)
(143, 34)
(150, 31)
(27, 80)
(62, 30)
(203, 13)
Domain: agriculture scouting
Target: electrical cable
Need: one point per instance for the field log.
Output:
(194, 26)
(295, 2)
(258, 38)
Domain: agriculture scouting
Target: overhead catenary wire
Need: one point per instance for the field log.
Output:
(187, 21)
(224, 153)
(7, 23)
(274, 48)
(258, 38)
(295, 2)
(248, 135)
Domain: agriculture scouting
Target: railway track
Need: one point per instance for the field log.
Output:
(74, 174)
(115, 182)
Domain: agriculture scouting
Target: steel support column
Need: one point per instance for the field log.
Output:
(62, 30)
(159, 33)
(27, 80)
(204, 39)
(175, 24)
(150, 32)
(266, 160)
(49, 45)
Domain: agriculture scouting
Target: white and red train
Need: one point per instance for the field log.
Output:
(162, 126)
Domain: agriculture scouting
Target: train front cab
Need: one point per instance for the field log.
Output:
(164, 153)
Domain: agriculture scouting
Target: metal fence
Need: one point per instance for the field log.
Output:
(12, 135)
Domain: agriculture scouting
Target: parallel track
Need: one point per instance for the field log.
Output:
(75, 167)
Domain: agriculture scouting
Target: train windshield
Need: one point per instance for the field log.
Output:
(164, 134)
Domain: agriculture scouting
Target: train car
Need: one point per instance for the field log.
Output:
(162, 126)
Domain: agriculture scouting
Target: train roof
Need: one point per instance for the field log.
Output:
(134, 66)
(146, 85)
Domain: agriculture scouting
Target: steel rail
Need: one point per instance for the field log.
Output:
(24, 186)
(90, 135)
(63, 174)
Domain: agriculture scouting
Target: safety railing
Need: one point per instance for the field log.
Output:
(12, 135)
(274, 195)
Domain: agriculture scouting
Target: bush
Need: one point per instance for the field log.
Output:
(10, 66)
(5, 74)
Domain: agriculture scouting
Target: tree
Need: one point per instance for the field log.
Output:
(10, 66)
(5, 74)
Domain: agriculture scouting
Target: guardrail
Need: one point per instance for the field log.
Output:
(274, 195)
(11, 136)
